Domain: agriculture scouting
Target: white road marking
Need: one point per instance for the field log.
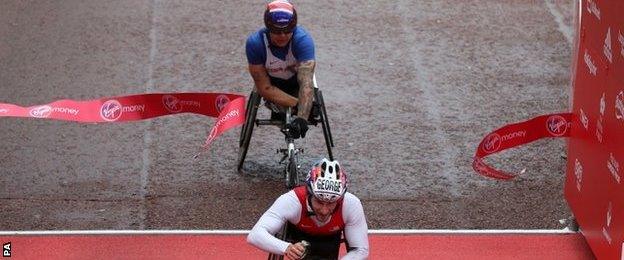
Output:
(434, 111)
(147, 137)
(566, 30)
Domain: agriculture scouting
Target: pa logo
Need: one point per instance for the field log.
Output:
(6, 249)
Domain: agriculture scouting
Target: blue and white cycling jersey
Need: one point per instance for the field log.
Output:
(280, 62)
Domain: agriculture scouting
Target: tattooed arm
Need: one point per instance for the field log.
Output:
(268, 91)
(305, 72)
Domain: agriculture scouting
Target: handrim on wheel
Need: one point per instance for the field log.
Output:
(281, 235)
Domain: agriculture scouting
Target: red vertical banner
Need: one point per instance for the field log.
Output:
(595, 127)
(593, 186)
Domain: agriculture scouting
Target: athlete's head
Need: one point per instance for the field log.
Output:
(280, 16)
(327, 181)
(280, 19)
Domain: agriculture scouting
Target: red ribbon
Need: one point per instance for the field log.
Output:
(553, 125)
(228, 108)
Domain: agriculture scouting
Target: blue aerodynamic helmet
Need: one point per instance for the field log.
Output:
(280, 16)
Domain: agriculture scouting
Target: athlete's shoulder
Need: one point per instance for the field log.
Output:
(351, 198)
(303, 44)
(300, 34)
(255, 39)
(254, 47)
(287, 201)
(290, 197)
(352, 209)
(287, 205)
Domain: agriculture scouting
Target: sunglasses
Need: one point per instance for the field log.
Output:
(280, 32)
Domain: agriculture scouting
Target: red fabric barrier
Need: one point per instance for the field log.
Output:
(228, 108)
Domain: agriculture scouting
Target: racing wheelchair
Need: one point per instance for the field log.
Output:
(290, 153)
(286, 234)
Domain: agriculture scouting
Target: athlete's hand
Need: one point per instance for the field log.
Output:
(298, 127)
(294, 251)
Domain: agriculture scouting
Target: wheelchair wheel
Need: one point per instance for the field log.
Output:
(329, 141)
(247, 129)
(275, 257)
(282, 236)
(292, 174)
(247, 111)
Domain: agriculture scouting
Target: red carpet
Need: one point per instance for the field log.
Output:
(202, 246)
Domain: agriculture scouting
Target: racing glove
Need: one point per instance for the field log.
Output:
(298, 127)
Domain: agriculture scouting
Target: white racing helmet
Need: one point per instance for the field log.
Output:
(327, 181)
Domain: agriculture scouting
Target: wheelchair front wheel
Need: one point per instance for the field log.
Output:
(292, 174)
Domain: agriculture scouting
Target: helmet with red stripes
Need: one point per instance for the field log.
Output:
(327, 181)
(280, 16)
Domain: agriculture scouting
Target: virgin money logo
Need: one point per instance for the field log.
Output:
(41, 111)
(619, 105)
(606, 48)
(605, 231)
(609, 209)
(171, 103)
(578, 173)
(621, 40)
(592, 8)
(599, 129)
(556, 125)
(614, 168)
(593, 69)
(584, 119)
(491, 143)
(221, 101)
(603, 104)
(111, 110)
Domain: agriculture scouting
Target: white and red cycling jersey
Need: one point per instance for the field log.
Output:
(293, 207)
(308, 223)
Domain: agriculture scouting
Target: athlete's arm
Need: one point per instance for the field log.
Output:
(356, 229)
(268, 91)
(285, 208)
(305, 72)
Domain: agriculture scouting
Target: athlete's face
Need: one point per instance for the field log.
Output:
(280, 39)
(322, 209)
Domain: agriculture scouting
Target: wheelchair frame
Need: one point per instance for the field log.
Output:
(290, 153)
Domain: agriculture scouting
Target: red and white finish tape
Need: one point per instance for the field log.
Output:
(509, 136)
(228, 108)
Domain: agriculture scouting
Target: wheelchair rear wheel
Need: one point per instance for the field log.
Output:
(247, 129)
(329, 141)
(281, 235)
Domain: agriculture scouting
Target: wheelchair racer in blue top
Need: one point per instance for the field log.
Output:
(281, 63)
